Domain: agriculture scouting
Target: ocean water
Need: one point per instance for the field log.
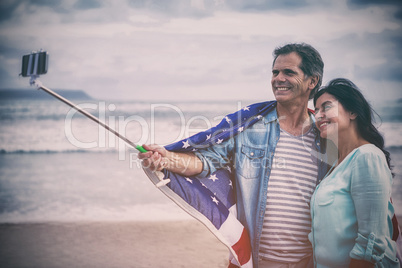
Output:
(57, 165)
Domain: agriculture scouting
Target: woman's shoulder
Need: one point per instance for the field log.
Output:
(369, 150)
(371, 158)
(368, 165)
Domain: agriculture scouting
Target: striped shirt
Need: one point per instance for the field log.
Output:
(287, 220)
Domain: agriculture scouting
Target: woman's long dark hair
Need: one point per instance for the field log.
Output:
(349, 95)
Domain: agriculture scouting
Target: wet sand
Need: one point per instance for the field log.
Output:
(110, 244)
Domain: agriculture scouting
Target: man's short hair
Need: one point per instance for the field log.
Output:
(311, 64)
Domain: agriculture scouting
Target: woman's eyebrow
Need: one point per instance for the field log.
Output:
(324, 103)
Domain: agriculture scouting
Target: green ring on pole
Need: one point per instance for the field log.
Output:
(141, 149)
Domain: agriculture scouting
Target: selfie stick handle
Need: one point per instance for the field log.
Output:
(39, 85)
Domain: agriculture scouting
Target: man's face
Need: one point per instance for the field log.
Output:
(288, 80)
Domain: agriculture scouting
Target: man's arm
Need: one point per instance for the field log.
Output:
(158, 158)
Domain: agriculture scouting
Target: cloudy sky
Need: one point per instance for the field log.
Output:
(198, 49)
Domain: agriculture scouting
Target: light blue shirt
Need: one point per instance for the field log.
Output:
(250, 153)
(352, 213)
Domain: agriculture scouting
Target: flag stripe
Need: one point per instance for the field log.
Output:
(243, 248)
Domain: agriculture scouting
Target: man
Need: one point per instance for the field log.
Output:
(277, 162)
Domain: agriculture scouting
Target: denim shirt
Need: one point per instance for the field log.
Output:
(250, 154)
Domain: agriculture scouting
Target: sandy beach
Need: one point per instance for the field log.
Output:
(111, 244)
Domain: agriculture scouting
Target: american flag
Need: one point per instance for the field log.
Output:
(212, 200)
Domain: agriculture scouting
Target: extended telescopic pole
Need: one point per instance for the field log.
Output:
(39, 85)
(36, 63)
(159, 180)
(32, 66)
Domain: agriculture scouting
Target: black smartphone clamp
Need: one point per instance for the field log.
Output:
(34, 64)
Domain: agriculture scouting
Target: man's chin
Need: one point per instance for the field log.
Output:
(283, 98)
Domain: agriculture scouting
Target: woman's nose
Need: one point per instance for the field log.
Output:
(318, 115)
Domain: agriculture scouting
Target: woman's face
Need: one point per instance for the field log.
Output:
(331, 118)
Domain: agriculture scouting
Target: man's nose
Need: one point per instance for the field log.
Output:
(280, 77)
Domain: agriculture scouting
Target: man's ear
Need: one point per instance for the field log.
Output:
(313, 82)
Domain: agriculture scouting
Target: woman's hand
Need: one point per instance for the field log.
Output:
(360, 264)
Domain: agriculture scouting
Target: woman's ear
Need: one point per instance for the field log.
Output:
(352, 115)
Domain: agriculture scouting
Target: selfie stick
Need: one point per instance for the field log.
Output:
(90, 116)
(33, 72)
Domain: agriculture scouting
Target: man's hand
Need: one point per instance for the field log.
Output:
(158, 158)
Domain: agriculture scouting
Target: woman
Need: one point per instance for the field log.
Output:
(351, 209)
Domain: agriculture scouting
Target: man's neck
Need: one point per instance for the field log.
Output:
(294, 119)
